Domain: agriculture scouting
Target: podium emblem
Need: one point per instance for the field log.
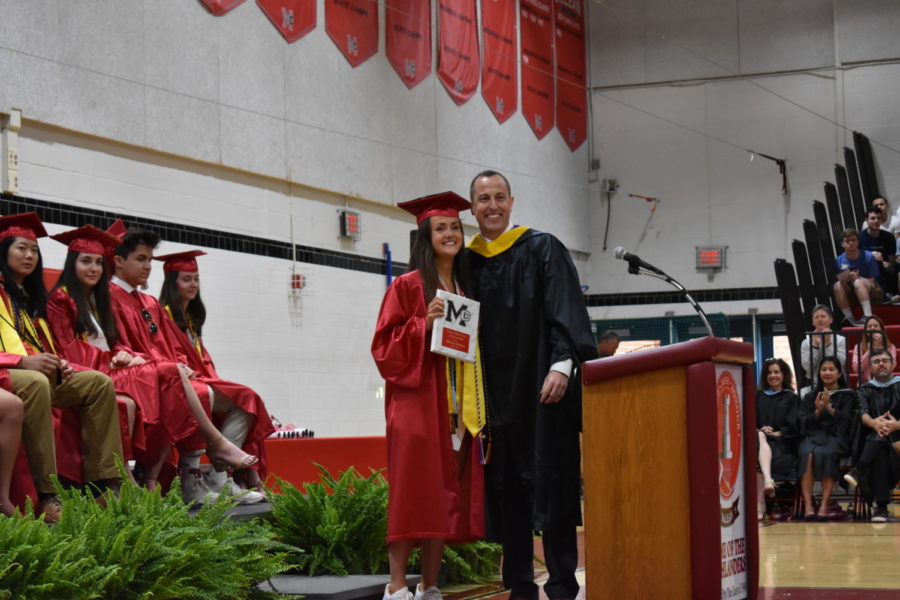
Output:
(730, 429)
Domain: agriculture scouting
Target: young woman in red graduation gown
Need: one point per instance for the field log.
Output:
(81, 318)
(180, 296)
(434, 461)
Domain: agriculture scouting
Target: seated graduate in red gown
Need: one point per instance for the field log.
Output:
(74, 304)
(231, 402)
(141, 322)
(42, 379)
(434, 406)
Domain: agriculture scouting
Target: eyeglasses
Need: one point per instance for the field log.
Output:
(881, 361)
(149, 318)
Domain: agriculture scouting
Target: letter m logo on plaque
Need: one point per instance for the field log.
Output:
(456, 333)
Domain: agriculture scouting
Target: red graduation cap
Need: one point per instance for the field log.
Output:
(118, 229)
(87, 239)
(445, 204)
(181, 261)
(24, 225)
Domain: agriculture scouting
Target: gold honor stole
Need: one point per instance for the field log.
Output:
(193, 336)
(503, 243)
(470, 398)
(10, 339)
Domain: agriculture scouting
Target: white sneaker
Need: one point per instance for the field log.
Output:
(194, 488)
(431, 593)
(220, 483)
(401, 594)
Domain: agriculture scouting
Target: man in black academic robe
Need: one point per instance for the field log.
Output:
(534, 332)
(879, 409)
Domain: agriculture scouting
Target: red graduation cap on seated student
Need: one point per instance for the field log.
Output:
(181, 261)
(87, 239)
(24, 225)
(445, 204)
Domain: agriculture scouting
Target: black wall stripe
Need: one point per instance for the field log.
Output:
(675, 297)
(76, 216)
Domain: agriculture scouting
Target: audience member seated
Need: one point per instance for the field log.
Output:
(41, 378)
(11, 414)
(890, 220)
(857, 272)
(874, 338)
(825, 415)
(608, 344)
(777, 409)
(878, 411)
(883, 246)
(824, 343)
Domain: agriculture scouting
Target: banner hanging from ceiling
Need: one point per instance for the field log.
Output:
(571, 79)
(408, 38)
(537, 33)
(458, 61)
(220, 7)
(353, 27)
(292, 18)
(499, 80)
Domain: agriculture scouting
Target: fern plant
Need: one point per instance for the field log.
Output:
(140, 545)
(36, 563)
(340, 523)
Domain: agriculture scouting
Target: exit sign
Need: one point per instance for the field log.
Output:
(710, 257)
(351, 225)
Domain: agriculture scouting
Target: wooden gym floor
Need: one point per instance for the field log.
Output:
(798, 561)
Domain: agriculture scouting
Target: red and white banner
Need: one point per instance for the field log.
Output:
(353, 27)
(538, 99)
(499, 81)
(571, 80)
(408, 36)
(458, 63)
(220, 7)
(292, 18)
(732, 471)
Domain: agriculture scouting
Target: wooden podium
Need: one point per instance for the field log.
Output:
(670, 473)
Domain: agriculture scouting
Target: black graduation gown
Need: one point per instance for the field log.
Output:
(875, 401)
(780, 411)
(826, 437)
(533, 314)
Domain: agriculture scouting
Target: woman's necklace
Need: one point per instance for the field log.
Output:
(447, 287)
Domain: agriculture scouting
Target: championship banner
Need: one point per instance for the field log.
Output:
(408, 36)
(732, 470)
(458, 63)
(571, 80)
(292, 18)
(353, 27)
(538, 99)
(499, 79)
(220, 7)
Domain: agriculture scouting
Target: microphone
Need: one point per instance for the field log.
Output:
(634, 260)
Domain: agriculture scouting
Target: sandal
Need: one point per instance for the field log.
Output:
(244, 460)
